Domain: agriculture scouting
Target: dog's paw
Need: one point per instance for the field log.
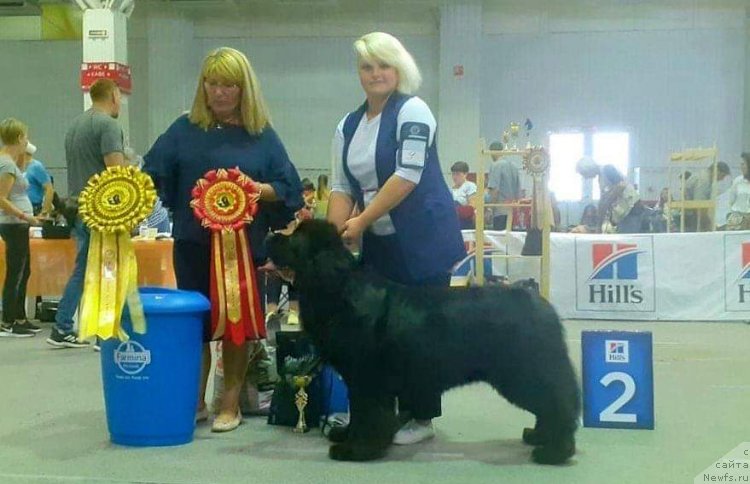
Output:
(338, 435)
(554, 454)
(532, 437)
(348, 452)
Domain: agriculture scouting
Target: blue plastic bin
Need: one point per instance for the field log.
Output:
(151, 381)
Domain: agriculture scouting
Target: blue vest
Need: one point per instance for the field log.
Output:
(426, 222)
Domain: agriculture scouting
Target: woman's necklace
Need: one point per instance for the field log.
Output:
(228, 122)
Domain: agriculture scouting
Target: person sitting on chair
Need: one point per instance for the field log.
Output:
(464, 194)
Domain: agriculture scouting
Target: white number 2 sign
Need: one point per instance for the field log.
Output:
(610, 414)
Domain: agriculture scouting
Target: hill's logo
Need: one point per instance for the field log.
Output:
(131, 357)
(615, 275)
(614, 262)
(616, 351)
(743, 282)
(737, 256)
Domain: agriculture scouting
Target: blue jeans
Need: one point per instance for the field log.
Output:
(73, 290)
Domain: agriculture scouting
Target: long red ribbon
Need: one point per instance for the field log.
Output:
(251, 325)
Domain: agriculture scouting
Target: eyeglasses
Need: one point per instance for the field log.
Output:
(217, 85)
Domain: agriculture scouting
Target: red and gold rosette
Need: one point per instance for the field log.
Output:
(113, 203)
(224, 201)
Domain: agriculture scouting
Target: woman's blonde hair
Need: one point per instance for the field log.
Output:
(382, 47)
(11, 131)
(232, 67)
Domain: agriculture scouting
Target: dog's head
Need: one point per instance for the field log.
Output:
(313, 255)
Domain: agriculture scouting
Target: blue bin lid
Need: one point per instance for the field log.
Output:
(163, 300)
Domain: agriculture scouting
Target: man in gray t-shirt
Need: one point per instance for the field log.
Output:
(92, 136)
(93, 142)
(504, 185)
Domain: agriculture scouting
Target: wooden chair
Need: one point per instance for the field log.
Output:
(540, 214)
(705, 210)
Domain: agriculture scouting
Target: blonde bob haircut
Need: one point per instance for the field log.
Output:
(11, 131)
(382, 47)
(230, 66)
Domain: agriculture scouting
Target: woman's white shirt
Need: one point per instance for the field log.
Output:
(361, 156)
(739, 195)
(461, 194)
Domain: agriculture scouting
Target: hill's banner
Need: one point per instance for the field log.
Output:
(678, 277)
(737, 272)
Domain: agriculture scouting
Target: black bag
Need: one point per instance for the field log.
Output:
(295, 356)
(46, 311)
(51, 230)
(532, 245)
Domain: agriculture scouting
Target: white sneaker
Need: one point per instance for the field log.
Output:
(414, 432)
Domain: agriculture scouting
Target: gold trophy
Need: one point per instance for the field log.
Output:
(506, 139)
(515, 128)
(300, 400)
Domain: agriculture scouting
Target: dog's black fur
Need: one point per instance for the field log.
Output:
(389, 340)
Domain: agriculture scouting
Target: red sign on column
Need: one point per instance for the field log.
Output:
(120, 73)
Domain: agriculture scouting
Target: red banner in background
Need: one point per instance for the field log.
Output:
(93, 71)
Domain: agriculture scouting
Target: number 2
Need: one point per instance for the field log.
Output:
(610, 414)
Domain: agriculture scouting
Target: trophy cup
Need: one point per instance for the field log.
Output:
(515, 128)
(300, 400)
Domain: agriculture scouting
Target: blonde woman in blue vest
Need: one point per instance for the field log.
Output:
(386, 165)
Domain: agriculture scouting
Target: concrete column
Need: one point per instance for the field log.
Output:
(105, 39)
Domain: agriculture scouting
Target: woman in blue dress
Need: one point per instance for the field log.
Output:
(228, 126)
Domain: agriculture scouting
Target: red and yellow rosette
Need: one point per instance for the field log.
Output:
(224, 201)
(113, 203)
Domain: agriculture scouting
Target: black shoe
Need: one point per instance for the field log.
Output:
(15, 330)
(65, 340)
(29, 325)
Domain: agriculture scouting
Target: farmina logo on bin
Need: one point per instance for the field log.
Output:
(131, 357)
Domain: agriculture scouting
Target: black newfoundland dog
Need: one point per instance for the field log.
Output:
(390, 341)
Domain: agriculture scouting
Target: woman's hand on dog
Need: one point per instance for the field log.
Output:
(353, 229)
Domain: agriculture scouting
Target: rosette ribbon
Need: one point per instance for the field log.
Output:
(113, 203)
(225, 201)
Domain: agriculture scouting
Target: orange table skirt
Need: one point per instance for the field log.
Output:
(52, 263)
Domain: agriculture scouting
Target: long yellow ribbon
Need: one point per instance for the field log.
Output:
(89, 314)
(231, 276)
(111, 280)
